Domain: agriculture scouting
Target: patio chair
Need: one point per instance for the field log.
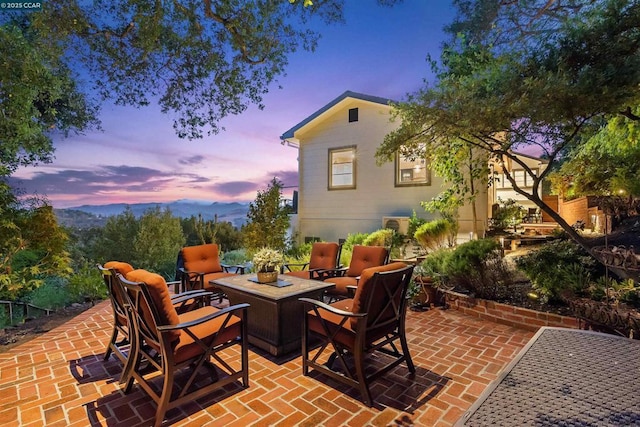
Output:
(346, 279)
(198, 265)
(324, 256)
(187, 342)
(182, 303)
(350, 329)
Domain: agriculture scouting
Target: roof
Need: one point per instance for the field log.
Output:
(348, 94)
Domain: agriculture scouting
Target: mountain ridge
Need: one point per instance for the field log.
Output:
(233, 212)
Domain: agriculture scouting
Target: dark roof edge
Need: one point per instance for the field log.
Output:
(347, 94)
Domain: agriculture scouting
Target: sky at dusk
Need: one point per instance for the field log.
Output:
(138, 158)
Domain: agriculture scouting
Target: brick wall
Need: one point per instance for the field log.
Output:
(574, 210)
(509, 315)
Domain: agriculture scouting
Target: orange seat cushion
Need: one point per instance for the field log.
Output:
(302, 274)
(159, 292)
(341, 285)
(186, 348)
(202, 258)
(366, 257)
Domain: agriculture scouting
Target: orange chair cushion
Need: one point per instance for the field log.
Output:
(302, 274)
(341, 285)
(344, 335)
(202, 258)
(161, 299)
(187, 348)
(121, 267)
(365, 287)
(323, 255)
(366, 257)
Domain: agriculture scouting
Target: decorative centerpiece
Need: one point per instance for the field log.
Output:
(266, 263)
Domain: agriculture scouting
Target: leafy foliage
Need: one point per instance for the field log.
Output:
(434, 234)
(268, 220)
(553, 269)
(524, 75)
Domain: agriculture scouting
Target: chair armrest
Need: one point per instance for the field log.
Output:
(337, 311)
(176, 285)
(288, 266)
(239, 269)
(186, 296)
(186, 277)
(351, 291)
(323, 274)
(195, 322)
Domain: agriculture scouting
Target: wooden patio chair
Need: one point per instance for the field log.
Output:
(351, 329)
(324, 256)
(120, 340)
(173, 342)
(346, 279)
(198, 265)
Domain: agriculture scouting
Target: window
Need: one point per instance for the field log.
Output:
(522, 178)
(410, 171)
(342, 168)
(353, 115)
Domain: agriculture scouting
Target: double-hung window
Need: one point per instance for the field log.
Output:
(342, 168)
(411, 170)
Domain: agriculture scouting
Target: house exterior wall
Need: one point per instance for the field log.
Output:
(333, 214)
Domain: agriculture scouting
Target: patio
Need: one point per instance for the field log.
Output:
(60, 379)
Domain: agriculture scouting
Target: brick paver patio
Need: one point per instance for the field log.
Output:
(60, 379)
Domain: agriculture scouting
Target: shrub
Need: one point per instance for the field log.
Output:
(382, 237)
(87, 284)
(477, 267)
(235, 257)
(433, 235)
(550, 268)
(51, 295)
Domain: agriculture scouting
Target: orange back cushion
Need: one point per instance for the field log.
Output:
(323, 255)
(159, 292)
(366, 257)
(121, 267)
(365, 287)
(202, 258)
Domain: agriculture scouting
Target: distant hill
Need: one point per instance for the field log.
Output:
(96, 215)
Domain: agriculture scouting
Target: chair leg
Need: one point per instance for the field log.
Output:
(114, 338)
(362, 379)
(407, 355)
(163, 403)
(305, 348)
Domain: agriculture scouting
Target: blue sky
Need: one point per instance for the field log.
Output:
(138, 158)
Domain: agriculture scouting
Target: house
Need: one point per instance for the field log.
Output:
(341, 188)
(501, 189)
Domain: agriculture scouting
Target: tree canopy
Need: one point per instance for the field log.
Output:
(533, 75)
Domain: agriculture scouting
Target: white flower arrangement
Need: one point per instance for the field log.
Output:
(267, 259)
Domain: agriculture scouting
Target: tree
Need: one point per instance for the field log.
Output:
(158, 241)
(38, 95)
(32, 246)
(268, 220)
(201, 61)
(535, 74)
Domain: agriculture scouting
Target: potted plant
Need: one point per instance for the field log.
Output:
(266, 263)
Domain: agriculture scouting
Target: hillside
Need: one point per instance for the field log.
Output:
(96, 215)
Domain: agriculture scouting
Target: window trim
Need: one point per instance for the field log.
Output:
(330, 185)
(397, 171)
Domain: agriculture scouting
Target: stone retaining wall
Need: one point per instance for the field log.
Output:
(505, 314)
